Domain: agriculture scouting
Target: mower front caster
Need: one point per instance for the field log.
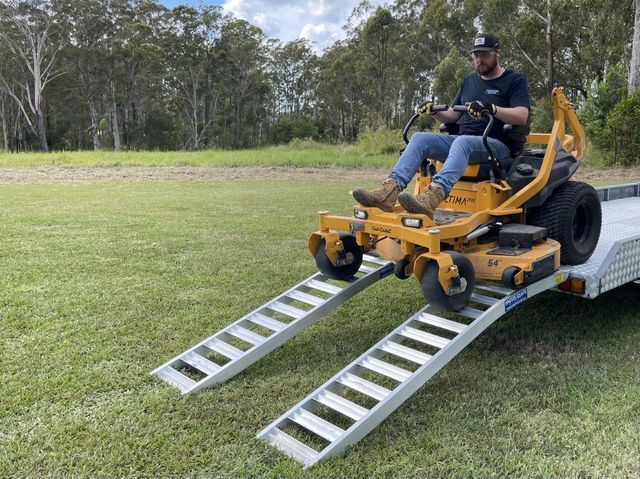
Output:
(436, 296)
(509, 277)
(351, 257)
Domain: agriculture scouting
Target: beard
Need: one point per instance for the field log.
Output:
(488, 66)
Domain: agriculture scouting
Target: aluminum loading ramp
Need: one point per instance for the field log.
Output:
(310, 421)
(239, 345)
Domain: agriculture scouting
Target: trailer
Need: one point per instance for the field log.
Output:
(427, 340)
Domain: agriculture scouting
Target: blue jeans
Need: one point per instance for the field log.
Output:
(454, 150)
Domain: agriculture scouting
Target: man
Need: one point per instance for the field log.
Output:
(491, 88)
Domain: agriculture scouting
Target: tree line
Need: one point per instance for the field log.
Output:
(133, 74)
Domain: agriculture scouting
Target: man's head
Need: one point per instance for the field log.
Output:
(485, 53)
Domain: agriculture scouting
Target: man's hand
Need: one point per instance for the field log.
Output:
(476, 109)
(424, 109)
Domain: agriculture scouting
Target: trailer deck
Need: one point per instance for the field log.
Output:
(616, 260)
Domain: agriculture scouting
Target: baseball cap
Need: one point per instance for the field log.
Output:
(485, 42)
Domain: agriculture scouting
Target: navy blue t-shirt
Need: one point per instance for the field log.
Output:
(508, 90)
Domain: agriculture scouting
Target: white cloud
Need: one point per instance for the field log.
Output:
(320, 21)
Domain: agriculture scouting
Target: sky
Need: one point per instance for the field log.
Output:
(320, 21)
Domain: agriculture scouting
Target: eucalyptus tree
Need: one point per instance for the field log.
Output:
(189, 53)
(88, 25)
(634, 71)
(243, 58)
(29, 32)
(294, 66)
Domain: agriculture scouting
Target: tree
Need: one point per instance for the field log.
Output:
(634, 72)
(243, 59)
(28, 30)
(189, 46)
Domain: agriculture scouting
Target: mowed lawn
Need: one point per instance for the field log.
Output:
(101, 282)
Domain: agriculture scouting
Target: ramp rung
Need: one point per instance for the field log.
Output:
(486, 300)
(286, 309)
(385, 369)
(316, 424)
(176, 378)
(305, 298)
(342, 405)
(441, 322)
(223, 348)
(470, 312)
(363, 386)
(423, 337)
(493, 289)
(267, 322)
(246, 335)
(291, 446)
(200, 363)
(321, 286)
(374, 259)
(366, 269)
(405, 352)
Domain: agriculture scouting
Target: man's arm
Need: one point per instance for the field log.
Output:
(514, 116)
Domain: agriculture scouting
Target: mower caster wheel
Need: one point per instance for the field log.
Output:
(509, 277)
(436, 296)
(346, 271)
(399, 269)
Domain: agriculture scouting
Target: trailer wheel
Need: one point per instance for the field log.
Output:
(433, 292)
(573, 217)
(347, 271)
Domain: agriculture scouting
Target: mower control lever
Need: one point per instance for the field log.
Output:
(412, 120)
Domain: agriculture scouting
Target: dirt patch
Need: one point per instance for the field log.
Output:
(57, 174)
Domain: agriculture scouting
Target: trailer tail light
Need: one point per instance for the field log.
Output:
(361, 215)
(411, 222)
(573, 285)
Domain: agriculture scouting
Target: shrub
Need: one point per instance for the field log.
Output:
(622, 130)
(603, 97)
(379, 142)
(286, 128)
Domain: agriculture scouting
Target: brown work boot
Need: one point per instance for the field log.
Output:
(424, 203)
(384, 197)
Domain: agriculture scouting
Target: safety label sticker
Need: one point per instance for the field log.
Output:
(515, 299)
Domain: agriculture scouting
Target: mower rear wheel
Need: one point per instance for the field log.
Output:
(436, 296)
(573, 217)
(344, 272)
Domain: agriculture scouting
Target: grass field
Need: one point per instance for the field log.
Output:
(102, 281)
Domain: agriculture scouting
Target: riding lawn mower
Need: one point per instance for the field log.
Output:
(514, 221)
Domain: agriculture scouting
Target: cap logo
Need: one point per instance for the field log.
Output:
(478, 41)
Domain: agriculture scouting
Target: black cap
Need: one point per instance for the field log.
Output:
(485, 42)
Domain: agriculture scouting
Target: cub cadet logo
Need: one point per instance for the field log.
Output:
(381, 229)
(459, 200)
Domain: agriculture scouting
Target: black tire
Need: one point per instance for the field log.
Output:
(327, 268)
(399, 268)
(435, 295)
(509, 277)
(573, 217)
